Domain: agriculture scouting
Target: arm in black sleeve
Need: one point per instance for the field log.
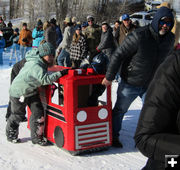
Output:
(126, 50)
(16, 69)
(157, 134)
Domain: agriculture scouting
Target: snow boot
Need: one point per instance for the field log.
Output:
(12, 136)
(116, 143)
(40, 140)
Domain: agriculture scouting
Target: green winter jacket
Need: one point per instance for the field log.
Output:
(33, 75)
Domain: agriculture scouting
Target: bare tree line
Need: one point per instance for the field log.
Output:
(102, 10)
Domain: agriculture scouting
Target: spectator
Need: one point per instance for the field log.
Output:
(93, 35)
(106, 45)
(125, 28)
(116, 31)
(25, 40)
(74, 22)
(37, 34)
(15, 46)
(2, 45)
(63, 50)
(157, 132)
(50, 33)
(176, 28)
(140, 54)
(58, 32)
(78, 49)
(24, 91)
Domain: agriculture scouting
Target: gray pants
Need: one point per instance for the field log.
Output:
(36, 119)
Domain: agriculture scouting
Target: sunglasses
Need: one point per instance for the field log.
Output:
(161, 22)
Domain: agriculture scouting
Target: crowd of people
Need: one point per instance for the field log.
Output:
(133, 53)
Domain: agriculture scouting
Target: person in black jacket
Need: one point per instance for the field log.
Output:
(15, 71)
(107, 44)
(137, 59)
(158, 129)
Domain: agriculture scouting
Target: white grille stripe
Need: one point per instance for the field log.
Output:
(92, 130)
(94, 138)
(92, 135)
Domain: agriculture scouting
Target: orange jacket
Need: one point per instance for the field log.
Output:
(25, 38)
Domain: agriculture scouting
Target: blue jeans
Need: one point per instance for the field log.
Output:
(126, 94)
(23, 51)
(14, 52)
(64, 58)
(1, 56)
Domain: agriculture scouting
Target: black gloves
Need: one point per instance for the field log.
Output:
(64, 72)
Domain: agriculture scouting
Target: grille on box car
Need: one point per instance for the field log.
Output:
(92, 134)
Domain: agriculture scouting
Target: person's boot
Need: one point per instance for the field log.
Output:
(12, 136)
(40, 140)
(116, 143)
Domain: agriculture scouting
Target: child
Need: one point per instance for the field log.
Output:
(24, 91)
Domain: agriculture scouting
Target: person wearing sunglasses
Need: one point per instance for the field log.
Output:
(136, 61)
(165, 24)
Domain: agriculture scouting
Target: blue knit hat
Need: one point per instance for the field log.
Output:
(46, 49)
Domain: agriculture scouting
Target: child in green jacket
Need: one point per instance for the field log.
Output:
(24, 91)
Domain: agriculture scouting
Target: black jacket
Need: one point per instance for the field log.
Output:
(158, 129)
(16, 68)
(142, 51)
(107, 44)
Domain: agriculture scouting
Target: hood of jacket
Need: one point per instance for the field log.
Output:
(33, 56)
(162, 12)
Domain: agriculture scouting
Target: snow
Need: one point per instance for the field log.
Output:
(26, 156)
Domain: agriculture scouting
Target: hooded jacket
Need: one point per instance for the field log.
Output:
(33, 75)
(38, 36)
(142, 51)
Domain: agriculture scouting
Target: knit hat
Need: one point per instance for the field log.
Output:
(39, 23)
(53, 21)
(46, 49)
(24, 24)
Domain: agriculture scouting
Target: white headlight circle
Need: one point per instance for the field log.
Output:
(103, 113)
(81, 116)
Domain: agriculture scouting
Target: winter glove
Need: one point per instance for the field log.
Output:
(64, 72)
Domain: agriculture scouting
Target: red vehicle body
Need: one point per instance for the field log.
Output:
(70, 123)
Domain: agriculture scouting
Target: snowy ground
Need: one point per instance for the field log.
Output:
(26, 156)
